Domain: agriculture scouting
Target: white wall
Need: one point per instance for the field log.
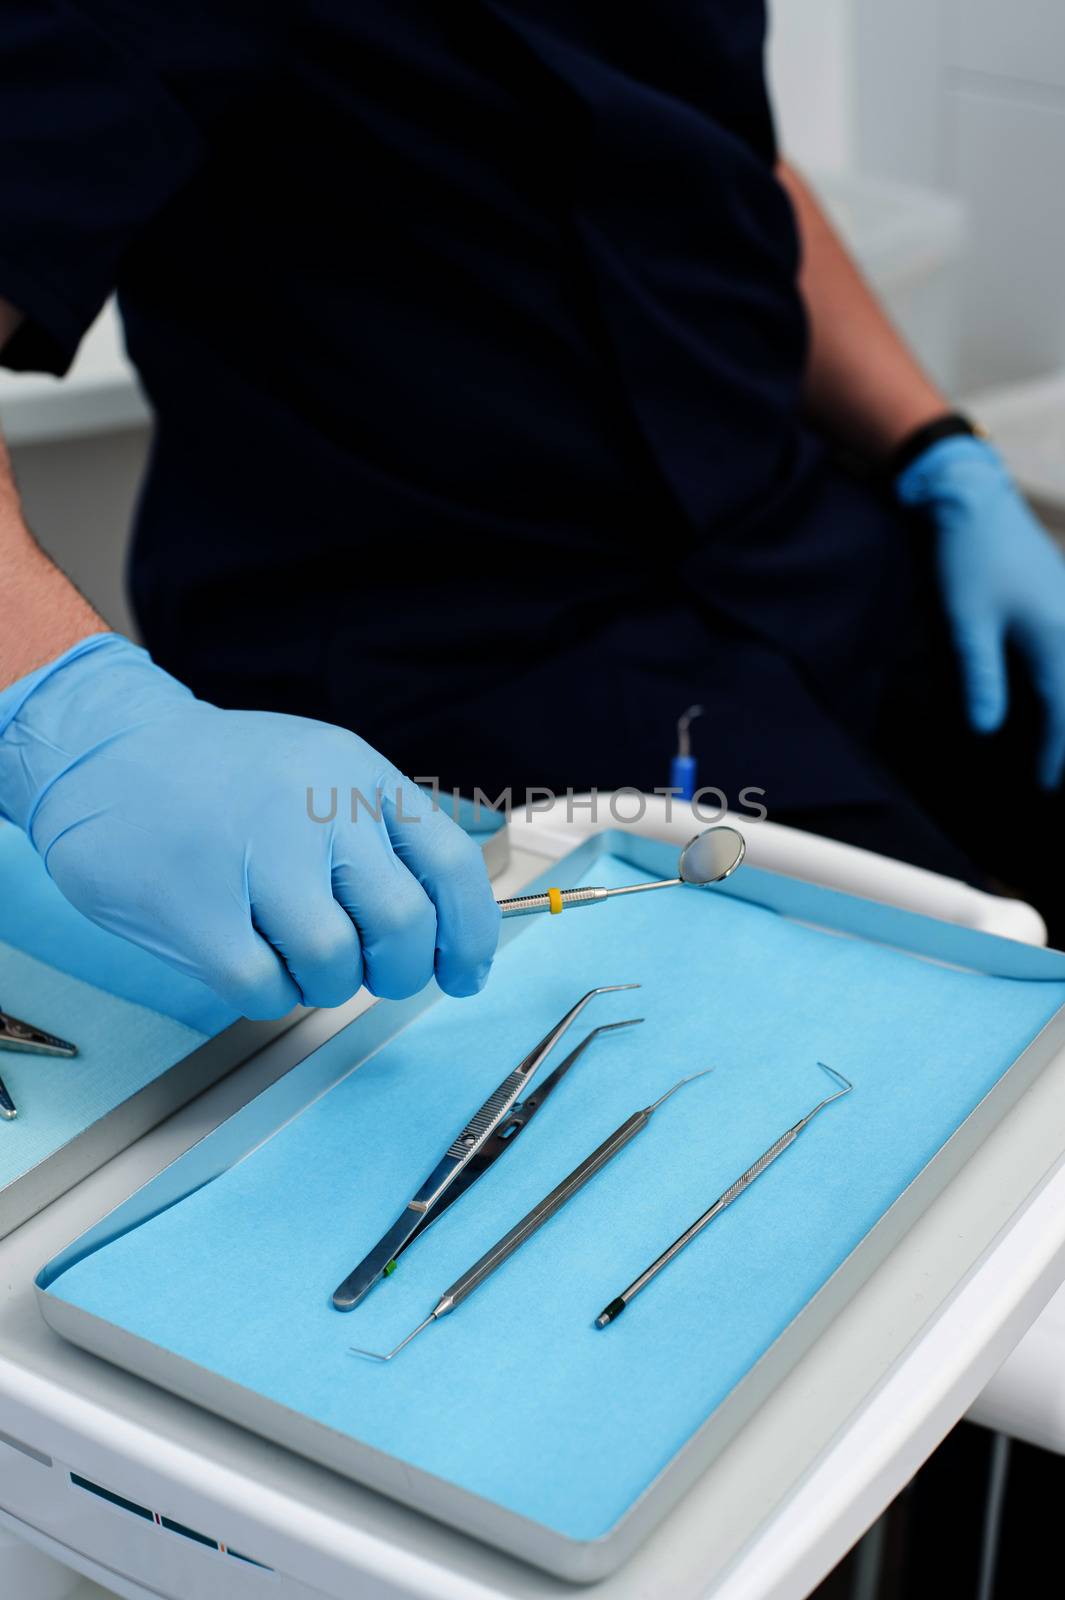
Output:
(969, 95)
(811, 72)
(963, 96)
(907, 242)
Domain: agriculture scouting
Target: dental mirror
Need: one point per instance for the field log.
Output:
(708, 858)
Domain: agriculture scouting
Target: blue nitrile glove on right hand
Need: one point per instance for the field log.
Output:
(186, 829)
(1002, 578)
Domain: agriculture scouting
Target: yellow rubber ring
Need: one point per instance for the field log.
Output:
(554, 901)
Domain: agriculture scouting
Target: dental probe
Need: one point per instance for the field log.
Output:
(733, 1192)
(505, 1247)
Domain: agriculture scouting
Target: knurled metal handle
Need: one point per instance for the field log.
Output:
(522, 905)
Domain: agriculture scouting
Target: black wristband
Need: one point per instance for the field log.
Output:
(949, 426)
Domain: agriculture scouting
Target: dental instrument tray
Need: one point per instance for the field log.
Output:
(516, 1420)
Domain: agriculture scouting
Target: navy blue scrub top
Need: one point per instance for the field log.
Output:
(473, 336)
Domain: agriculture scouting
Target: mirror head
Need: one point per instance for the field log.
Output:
(712, 856)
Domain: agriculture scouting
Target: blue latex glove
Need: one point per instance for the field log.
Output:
(185, 829)
(1002, 578)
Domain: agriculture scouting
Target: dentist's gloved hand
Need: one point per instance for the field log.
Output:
(1002, 578)
(185, 829)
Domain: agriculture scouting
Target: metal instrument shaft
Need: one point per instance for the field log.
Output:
(611, 1312)
(505, 1247)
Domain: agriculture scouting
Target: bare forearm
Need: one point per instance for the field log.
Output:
(41, 612)
(863, 386)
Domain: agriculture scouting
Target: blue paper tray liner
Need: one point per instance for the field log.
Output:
(516, 1397)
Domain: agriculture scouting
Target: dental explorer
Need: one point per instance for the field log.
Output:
(611, 1312)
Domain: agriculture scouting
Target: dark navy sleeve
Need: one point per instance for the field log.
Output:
(106, 114)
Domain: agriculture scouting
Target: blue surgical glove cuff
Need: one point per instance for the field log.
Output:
(958, 469)
(36, 712)
(14, 697)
